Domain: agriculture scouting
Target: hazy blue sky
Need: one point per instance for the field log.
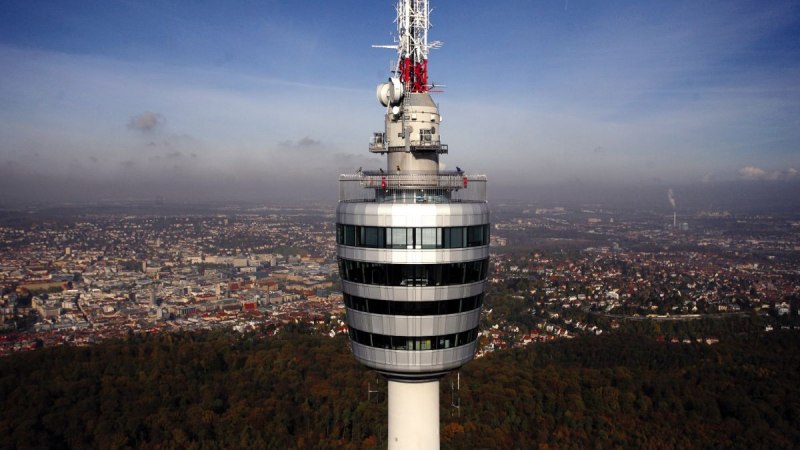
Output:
(194, 99)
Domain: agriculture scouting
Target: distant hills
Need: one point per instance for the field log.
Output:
(737, 196)
(743, 196)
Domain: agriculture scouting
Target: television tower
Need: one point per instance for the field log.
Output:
(412, 246)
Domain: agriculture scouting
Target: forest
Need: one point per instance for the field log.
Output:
(222, 389)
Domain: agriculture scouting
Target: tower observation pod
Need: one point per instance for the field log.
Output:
(412, 246)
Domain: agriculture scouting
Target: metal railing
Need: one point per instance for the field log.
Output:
(377, 143)
(442, 187)
(426, 142)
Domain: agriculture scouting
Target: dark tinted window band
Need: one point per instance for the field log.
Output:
(413, 342)
(413, 274)
(396, 308)
(412, 238)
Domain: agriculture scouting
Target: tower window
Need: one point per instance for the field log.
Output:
(401, 308)
(411, 343)
(412, 238)
(419, 275)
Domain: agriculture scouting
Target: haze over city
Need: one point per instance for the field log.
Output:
(269, 100)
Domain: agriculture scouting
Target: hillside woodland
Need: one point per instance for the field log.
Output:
(295, 390)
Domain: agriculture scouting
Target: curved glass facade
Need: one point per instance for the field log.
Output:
(441, 307)
(413, 274)
(412, 238)
(413, 343)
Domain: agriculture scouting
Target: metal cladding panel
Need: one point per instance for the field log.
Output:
(412, 215)
(424, 363)
(413, 294)
(413, 325)
(421, 100)
(416, 256)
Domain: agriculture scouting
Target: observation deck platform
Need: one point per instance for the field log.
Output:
(385, 187)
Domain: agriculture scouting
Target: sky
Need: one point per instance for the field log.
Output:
(240, 99)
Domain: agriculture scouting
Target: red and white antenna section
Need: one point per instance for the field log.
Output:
(412, 44)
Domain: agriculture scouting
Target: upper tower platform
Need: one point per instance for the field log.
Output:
(412, 240)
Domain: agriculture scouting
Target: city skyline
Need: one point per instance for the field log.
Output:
(203, 101)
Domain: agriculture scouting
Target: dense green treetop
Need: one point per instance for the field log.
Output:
(224, 390)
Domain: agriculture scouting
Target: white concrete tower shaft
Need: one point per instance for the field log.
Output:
(413, 415)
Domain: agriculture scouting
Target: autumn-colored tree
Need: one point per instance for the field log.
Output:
(226, 390)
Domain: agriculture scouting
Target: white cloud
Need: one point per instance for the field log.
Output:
(757, 173)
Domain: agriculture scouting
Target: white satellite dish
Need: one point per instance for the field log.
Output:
(390, 93)
(383, 93)
(396, 90)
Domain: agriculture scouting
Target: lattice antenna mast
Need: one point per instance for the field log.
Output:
(412, 44)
